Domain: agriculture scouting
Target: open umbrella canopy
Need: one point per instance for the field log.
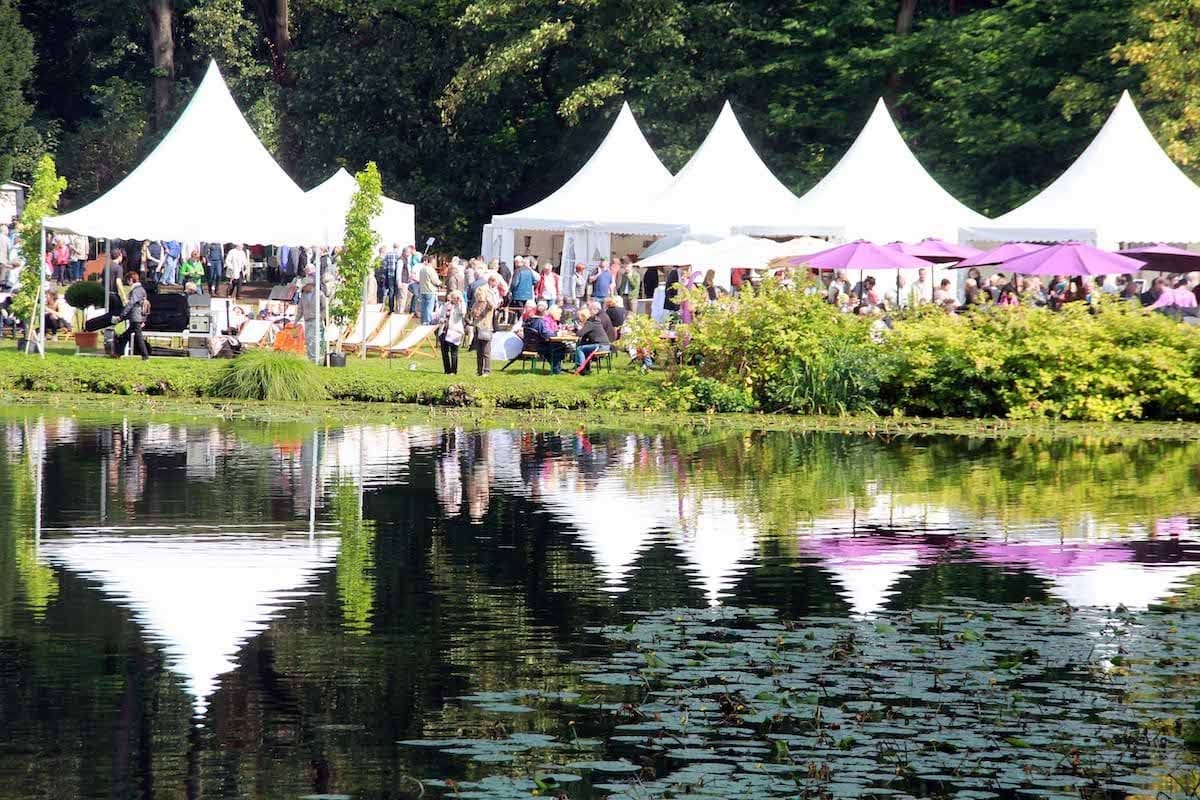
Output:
(686, 254)
(999, 255)
(674, 240)
(1165, 258)
(860, 255)
(939, 251)
(1071, 259)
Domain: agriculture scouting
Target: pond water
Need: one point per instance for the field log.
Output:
(218, 610)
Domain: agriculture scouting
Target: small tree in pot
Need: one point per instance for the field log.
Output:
(82, 295)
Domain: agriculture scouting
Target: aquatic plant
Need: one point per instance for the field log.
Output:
(962, 700)
(267, 375)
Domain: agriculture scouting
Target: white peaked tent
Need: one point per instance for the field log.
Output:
(209, 180)
(726, 188)
(1123, 189)
(610, 187)
(331, 199)
(200, 598)
(1128, 584)
(880, 192)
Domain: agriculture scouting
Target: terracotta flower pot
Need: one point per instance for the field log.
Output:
(87, 340)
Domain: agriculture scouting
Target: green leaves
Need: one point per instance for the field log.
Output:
(42, 202)
(361, 247)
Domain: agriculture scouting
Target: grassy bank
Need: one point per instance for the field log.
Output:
(418, 381)
(102, 409)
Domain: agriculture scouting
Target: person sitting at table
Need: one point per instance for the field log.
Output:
(592, 337)
(615, 310)
(554, 319)
(596, 310)
(537, 333)
(529, 311)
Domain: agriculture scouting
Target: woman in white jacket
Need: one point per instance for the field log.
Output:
(452, 328)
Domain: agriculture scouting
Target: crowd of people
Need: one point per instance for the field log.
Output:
(578, 311)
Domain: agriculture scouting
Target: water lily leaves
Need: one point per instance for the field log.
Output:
(965, 700)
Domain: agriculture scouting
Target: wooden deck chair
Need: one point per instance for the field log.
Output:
(389, 333)
(374, 321)
(256, 333)
(411, 343)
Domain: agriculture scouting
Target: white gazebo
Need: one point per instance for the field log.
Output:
(880, 192)
(199, 598)
(1123, 189)
(726, 188)
(602, 201)
(331, 199)
(209, 180)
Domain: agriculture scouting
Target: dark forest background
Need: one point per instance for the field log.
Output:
(472, 108)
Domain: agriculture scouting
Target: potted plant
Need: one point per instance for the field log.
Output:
(80, 296)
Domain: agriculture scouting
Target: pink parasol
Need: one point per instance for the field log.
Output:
(860, 255)
(939, 251)
(1072, 259)
(1164, 258)
(999, 254)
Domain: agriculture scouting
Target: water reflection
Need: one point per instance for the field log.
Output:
(282, 584)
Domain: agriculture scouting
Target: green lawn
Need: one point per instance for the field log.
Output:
(398, 380)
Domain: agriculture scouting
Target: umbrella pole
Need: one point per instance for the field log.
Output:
(107, 273)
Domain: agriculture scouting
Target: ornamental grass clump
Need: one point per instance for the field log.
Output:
(267, 375)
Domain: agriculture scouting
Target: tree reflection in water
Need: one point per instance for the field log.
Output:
(474, 560)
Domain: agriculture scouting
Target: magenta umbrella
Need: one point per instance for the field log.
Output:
(1164, 258)
(999, 254)
(860, 255)
(939, 251)
(1071, 259)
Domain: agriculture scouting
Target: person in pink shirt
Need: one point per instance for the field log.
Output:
(1180, 297)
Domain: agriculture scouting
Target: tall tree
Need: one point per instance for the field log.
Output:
(16, 74)
(276, 20)
(161, 16)
(1167, 47)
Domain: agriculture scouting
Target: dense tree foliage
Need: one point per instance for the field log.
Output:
(478, 107)
(16, 70)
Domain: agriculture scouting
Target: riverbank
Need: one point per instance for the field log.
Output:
(415, 391)
(101, 408)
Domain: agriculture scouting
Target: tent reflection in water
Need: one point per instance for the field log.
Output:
(200, 598)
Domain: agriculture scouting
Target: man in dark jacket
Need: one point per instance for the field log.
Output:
(592, 337)
(134, 315)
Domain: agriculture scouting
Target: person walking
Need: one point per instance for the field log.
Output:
(134, 314)
(523, 282)
(428, 284)
(311, 301)
(549, 287)
(482, 318)
(79, 254)
(236, 267)
(452, 319)
(174, 254)
(214, 262)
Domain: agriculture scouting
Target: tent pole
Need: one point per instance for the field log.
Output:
(107, 273)
(42, 296)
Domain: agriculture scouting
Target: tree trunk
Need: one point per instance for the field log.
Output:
(162, 45)
(904, 17)
(275, 15)
(905, 14)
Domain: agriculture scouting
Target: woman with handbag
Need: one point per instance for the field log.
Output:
(482, 318)
(452, 330)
